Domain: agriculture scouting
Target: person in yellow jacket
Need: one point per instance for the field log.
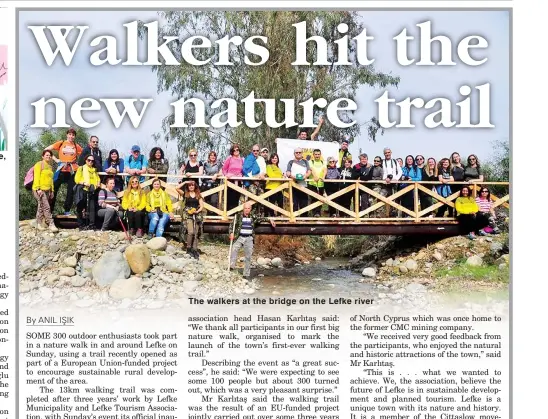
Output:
(42, 190)
(159, 208)
(134, 202)
(318, 169)
(467, 208)
(87, 178)
(273, 171)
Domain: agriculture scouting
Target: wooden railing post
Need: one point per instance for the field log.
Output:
(291, 213)
(416, 201)
(225, 203)
(357, 199)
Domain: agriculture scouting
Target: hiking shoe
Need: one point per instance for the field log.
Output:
(139, 233)
(471, 236)
(195, 254)
(150, 236)
(40, 226)
(482, 233)
(496, 230)
(53, 228)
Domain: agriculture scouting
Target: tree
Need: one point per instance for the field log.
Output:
(276, 79)
(497, 169)
(30, 152)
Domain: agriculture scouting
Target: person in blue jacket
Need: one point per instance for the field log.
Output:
(410, 171)
(251, 168)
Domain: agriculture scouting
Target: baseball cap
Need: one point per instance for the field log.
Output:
(344, 141)
(135, 148)
(264, 149)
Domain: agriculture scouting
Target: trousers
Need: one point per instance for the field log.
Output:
(157, 225)
(43, 212)
(247, 244)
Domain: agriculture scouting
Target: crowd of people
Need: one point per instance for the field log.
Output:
(94, 182)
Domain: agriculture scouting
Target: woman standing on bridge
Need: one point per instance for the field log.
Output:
(472, 172)
(157, 163)
(413, 173)
(232, 167)
(332, 187)
(430, 174)
(273, 171)
(457, 171)
(114, 165)
(444, 190)
(214, 168)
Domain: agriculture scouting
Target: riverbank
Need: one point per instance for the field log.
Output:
(100, 270)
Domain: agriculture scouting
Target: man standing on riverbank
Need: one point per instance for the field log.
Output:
(243, 229)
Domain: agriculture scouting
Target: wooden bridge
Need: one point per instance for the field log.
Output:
(377, 219)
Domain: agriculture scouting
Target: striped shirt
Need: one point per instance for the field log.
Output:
(108, 197)
(483, 204)
(247, 227)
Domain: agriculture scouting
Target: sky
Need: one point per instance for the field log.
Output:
(81, 79)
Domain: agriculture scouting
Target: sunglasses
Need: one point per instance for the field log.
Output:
(135, 181)
(193, 155)
(255, 151)
(298, 152)
(484, 191)
(419, 159)
(377, 161)
(331, 161)
(90, 160)
(236, 149)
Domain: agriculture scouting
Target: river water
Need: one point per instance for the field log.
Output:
(331, 278)
(325, 278)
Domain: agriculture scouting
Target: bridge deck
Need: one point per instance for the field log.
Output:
(319, 226)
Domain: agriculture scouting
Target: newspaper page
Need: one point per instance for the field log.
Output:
(265, 213)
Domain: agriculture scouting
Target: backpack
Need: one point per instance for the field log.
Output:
(140, 159)
(29, 177)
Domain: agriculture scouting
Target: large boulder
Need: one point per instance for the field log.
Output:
(474, 260)
(125, 288)
(369, 272)
(174, 265)
(67, 271)
(262, 261)
(157, 243)
(277, 262)
(138, 258)
(411, 265)
(71, 262)
(111, 266)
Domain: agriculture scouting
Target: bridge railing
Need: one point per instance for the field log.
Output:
(381, 209)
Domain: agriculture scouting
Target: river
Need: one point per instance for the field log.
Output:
(325, 278)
